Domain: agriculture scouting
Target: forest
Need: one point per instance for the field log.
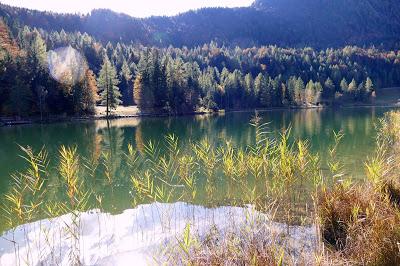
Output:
(286, 23)
(172, 80)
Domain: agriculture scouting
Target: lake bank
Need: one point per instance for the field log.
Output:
(133, 112)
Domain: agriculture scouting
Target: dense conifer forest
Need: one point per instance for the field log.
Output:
(202, 76)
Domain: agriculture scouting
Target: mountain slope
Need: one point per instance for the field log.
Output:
(317, 23)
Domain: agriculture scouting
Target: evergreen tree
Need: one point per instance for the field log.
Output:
(352, 91)
(318, 89)
(369, 86)
(299, 91)
(86, 94)
(264, 87)
(37, 55)
(143, 95)
(276, 86)
(344, 86)
(352, 86)
(249, 89)
(20, 97)
(329, 89)
(126, 84)
(310, 92)
(107, 83)
(37, 62)
(291, 90)
(258, 85)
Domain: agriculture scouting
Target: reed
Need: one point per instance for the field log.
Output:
(274, 179)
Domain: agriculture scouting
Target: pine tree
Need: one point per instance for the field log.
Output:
(258, 84)
(138, 91)
(262, 85)
(249, 89)
(299, 91)
(291, 90)
(317, 92)
(344, 86)
(160, 81)
(275, 86)
(126, 84)
(107, 84)
(329, 89)
(37, 60)
(310, 93)
(352, 86)
(20, 97)
(369, 86)
(143, 95)
(353, 89)
(89, 93)
(37, 55)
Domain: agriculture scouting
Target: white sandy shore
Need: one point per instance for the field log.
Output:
(134, 237)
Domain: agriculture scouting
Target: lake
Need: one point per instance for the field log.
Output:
(94, 137)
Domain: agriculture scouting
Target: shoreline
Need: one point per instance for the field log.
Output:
(10, 121)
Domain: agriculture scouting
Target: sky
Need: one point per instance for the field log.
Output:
(136, 8)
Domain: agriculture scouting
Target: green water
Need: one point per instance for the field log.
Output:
(94, 137)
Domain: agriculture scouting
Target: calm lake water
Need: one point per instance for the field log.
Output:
(94, 137)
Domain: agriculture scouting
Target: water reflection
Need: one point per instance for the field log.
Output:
(103, 143)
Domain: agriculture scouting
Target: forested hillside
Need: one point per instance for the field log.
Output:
(294, 23)
(207, 76)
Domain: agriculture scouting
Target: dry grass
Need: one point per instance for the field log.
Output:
(360, 223)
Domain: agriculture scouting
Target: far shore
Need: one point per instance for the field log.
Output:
(133, 112)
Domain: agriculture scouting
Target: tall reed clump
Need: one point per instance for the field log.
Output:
(361, 222)
(23, 203)
(24, 200)
(36, 194)
(275, 176)
(78, 197)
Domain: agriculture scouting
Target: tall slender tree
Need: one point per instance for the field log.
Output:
(126, 85)
(107, 83)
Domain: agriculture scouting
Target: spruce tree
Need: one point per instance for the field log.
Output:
(353, 89)
(88, 94)
(310, 92)
(20, 97)
(299, 91)
(317, 92)
(369, 86)
(263, 85)
(126, 85)
(369, 89)
(291, 90)
(352, 86)
(107, 83)
(344, 85)
(329, 89)
(37, 60)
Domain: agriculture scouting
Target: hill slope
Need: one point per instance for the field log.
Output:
(317, 23)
